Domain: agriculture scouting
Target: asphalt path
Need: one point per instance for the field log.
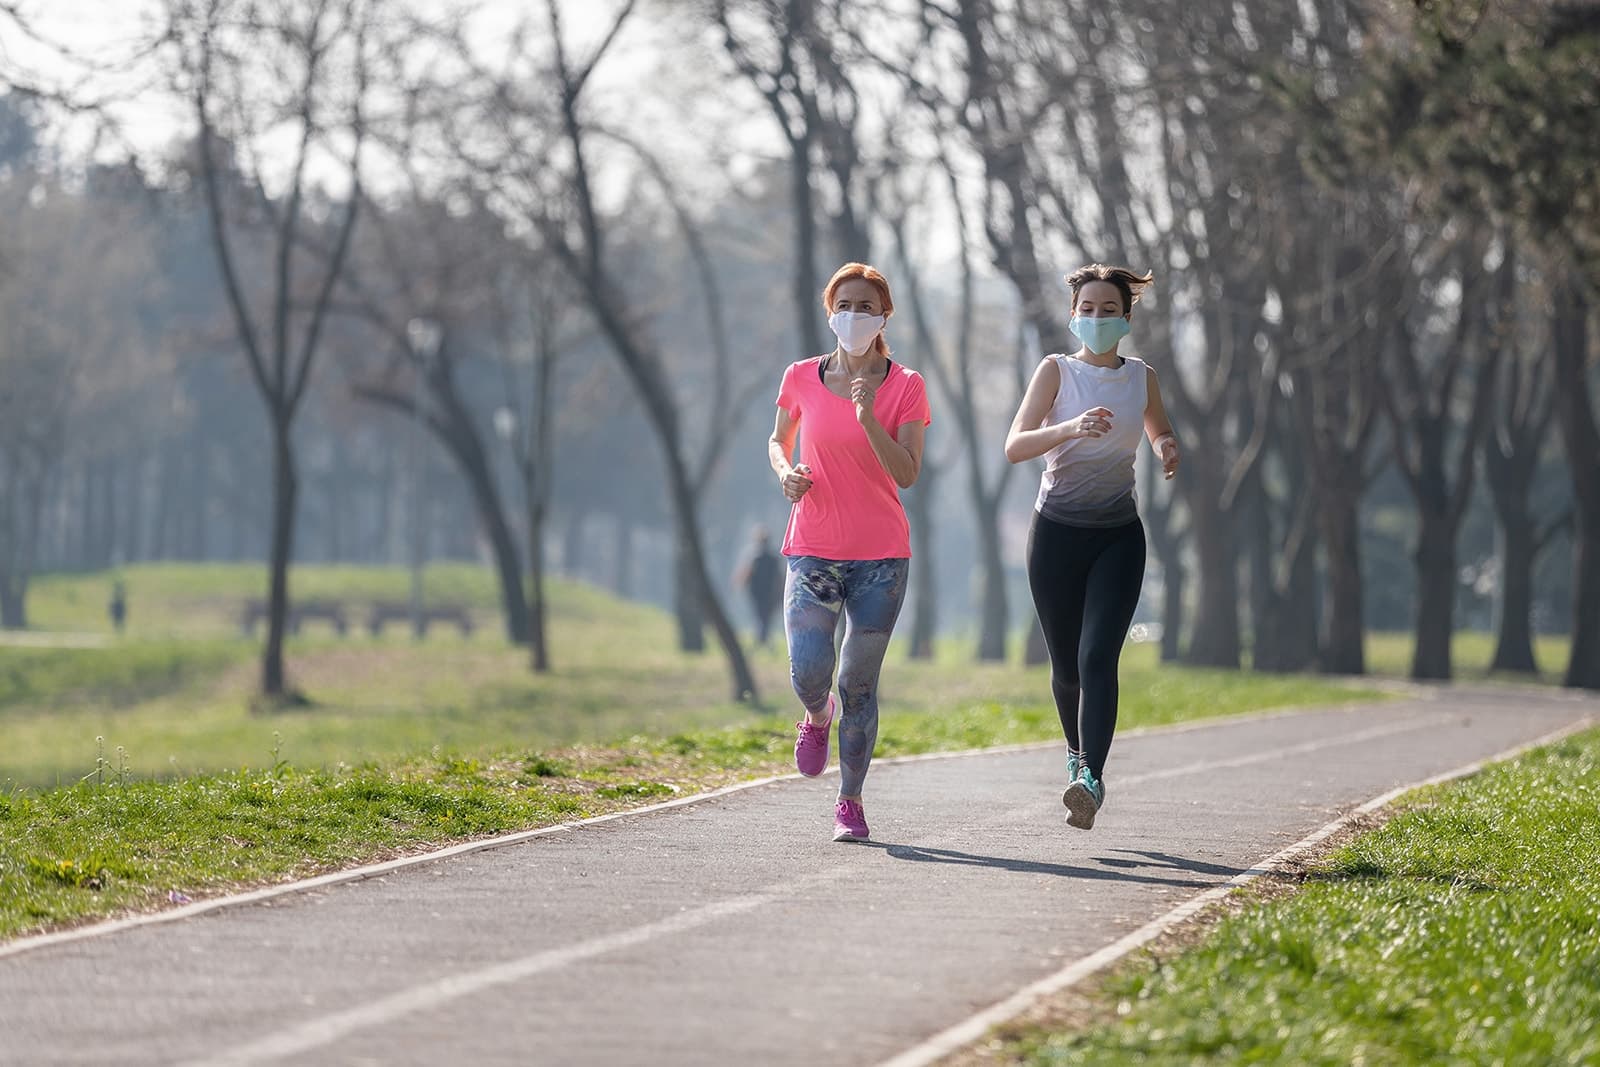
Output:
(733, 930)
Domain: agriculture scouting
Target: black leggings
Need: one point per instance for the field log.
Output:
(1085, 583)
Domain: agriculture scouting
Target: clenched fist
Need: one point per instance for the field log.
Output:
(796, 481)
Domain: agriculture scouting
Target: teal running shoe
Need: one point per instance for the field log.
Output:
(1083, 799)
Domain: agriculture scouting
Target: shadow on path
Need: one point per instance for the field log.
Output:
(1111, 869)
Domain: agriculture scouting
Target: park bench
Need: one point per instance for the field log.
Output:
(385, 612)
(300, 612)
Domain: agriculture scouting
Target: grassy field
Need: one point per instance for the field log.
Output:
(1389, 654)
(180, 706)
(139, 770)
(1465, 930)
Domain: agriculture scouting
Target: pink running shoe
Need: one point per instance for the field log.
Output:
(849, 821)
(811, 744)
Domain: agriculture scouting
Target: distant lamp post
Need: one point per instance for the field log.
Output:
(423, 335)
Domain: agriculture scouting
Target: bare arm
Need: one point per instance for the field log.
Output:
(1158, 428)
(794, 481)
(900, 454)
(1029, 437)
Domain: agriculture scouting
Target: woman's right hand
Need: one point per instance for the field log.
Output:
(1096, 422)
(796, 481)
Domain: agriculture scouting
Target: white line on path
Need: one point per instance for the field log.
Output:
(329, 1028)
(973, 1029)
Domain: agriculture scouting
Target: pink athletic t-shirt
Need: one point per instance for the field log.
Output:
(852, 510)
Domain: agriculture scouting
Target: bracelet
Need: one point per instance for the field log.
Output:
(1156, 444)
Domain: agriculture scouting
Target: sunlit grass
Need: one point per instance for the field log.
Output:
(183, 706)
(1390, 654)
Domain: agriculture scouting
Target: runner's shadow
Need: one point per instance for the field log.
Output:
(1170, 862)
(923, 854)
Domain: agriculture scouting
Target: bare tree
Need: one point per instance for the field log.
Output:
(530, 343)
(536, 160)
(300, 69)
(951, 358)
(68, 375)
(730, 384)
(790, 52)
(1573, 350)
(435, 262)
(1422, 395)
(1524, 405)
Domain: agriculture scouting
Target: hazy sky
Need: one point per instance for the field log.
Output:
(108, 34)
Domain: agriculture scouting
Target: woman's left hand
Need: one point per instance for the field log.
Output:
(862, 394)
(1169, 456)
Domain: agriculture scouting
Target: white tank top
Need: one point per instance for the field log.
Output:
(1089, 481)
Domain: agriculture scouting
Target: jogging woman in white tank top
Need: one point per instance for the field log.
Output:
(1085, 414)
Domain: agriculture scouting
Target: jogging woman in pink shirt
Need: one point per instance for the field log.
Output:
(848, 544)
(1085, 413)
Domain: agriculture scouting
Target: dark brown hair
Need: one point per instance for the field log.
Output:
(1129, 284)
(868, 274)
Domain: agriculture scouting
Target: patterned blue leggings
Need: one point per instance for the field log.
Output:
(870, 593)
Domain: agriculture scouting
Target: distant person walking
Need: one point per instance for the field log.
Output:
(1085, 413)
(117, 609)
(848, 542)
(761, 575)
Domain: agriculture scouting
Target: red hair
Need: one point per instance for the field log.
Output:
(867, 274)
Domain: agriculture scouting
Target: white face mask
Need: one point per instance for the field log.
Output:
(854, 330)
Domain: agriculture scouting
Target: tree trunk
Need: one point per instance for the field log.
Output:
(687, 602)
(1343, 648)
(683, 502)
(1172, 578)
(134, 536)
(538, 646)
(572, 545)
(1435, 558)
(480, 480)
(21, 513)
(924, 576)
(1581, 438)
(1290, 615)
(13, 602)
(1513, 650)
(807, 293)
(1214, 641)
(285, 490)
(107, 549)
(623, 559)
(1583, 668)
(194, 528)
(992, 620)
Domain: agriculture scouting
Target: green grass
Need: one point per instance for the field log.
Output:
(1471, 653)
(1465, 930)
(95, 850)
(68, 677)
(183, 707)
(204, 599)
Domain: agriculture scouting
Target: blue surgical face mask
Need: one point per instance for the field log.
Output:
(1100, 335)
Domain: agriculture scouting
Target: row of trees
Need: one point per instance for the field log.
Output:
(1352, 278)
